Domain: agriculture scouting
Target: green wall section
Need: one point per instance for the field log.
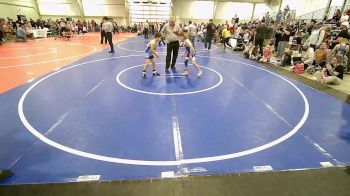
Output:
(12, 8)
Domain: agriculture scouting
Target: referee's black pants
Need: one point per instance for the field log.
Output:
(110, 41)
(172, 47)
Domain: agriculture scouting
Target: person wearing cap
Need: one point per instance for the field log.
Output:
(344, 33)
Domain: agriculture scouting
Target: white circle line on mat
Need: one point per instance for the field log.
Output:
(168, 94)
(161, 163)
(52, 50)
(54, 60)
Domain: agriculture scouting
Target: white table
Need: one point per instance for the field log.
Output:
(39, 33)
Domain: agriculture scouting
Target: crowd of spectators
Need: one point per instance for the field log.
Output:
(21, 30)
(319, 47)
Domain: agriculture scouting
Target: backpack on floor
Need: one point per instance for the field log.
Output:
(298, 68)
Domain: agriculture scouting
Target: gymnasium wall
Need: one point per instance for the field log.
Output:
(227, 10)
(92, 9)
(219, 11)
(58, 7)
(193, 9)
(12, 8)
(115, 8)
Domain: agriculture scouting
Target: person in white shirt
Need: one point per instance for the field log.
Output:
(108, 28)
(63, 26)
(192, 32)
(170, 31)
(344, 18)
(308, 56)
(316, 37)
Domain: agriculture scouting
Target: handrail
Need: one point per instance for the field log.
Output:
(319, 14)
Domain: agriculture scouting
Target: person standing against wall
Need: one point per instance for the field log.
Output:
(170, 31)
(108, 28)
(209, 35)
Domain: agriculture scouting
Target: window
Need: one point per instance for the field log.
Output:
(153, 12)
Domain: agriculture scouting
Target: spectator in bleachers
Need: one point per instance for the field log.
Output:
(321, 54)
(282, 45)
(6, 29)
(39, 24)
(337, 16)
(341, 50)
(344, 18)
(317, 36)
(21, 34)
(308, 56)
(279, 17)
(344, 33)
(286, 11)
(304, 36)
(331, 73)
(1, 33)
(246, 36)
(12, 25)
(32, 22)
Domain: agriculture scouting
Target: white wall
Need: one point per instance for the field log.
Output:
(261, 10)
(193, 9)
(105, 8)
(337, 3)
(11, 8)
(227, 10)
(59, 7)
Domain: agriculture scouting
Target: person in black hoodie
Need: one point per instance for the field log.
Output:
(209, 35)
(260, 36)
